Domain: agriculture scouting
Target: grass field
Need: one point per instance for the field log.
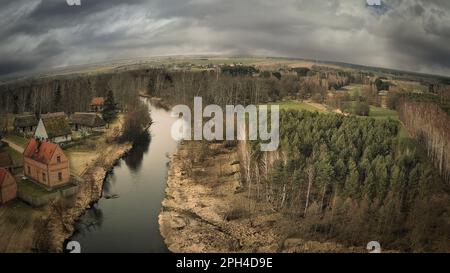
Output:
(383, 113)
(296, 105)
(31, 189)
(354, 90)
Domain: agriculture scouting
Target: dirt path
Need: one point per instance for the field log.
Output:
(14, 145)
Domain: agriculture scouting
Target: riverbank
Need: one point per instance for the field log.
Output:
(206, 209)
(28, 229)
(61, 221)
(62, 225)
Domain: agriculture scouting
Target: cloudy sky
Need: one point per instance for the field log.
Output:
(405, 34)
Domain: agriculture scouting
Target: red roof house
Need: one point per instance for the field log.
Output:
(97, 104)
(46, 164)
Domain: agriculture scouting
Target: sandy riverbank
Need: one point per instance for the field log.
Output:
(205, 210)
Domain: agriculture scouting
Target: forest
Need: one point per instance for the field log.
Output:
(352, 180)
(427, 118)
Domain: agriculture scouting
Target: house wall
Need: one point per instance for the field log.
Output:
(56, 173)
(35, 171)
(96, 108)
(8, 190)
(26, 130)
(59, 170)
(40, 132)
(86, 129)
(61, 139)
(82, 128)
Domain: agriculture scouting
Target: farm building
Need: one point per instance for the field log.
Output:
(54, 128)
(46, 164)
(97, 104)
(6, 161)
(25, 124)
(54, 115)
(8, 186)
(86, 122)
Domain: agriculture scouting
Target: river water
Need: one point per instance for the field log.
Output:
(125, 219)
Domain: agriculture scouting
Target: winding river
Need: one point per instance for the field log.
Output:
(125, 219)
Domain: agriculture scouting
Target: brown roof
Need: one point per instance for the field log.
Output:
(52, 115)
(6, 160)
(97, 101)
(3, 174)
(40, 151)
(25, 121)
(56, 126)
(87, 119)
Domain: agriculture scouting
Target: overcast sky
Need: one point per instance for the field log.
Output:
(405, 34)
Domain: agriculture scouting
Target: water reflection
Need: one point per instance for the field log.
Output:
(135, 158)
(92, 220)
(126, 218)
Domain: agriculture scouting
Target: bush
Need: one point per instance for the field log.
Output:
(317, 97)
(235, 213)
(361, 108)
(136, 123)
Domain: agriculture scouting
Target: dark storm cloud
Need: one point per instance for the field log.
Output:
(407, 34)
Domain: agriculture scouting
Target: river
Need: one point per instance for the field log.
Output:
(125, 219)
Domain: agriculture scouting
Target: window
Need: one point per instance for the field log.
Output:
(44, 177)
(58, 159)
(60, 176)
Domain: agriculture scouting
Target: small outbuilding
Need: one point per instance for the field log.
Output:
(25, 124)
(55, 114)
(86, 122)
(54, 129)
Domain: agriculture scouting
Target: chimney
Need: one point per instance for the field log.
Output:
(38, 145)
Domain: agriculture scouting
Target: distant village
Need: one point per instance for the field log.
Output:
(44, 164)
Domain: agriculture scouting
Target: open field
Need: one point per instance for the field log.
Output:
(384, 113)
(80, 161)
(297, 105)
(354, 90)
(16, 222)
(410, 86)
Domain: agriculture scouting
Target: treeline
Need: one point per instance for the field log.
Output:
(234, 85)
(440, 101)
(427, 118)
(352, 180)
(238, 86)
(70, 93)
